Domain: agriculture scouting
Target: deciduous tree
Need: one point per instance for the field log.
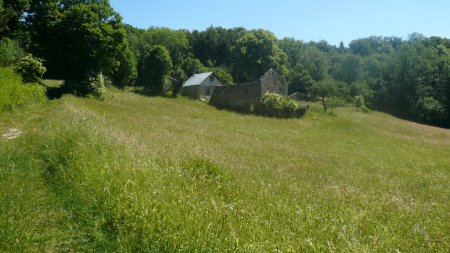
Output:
(324, 91)
(80, 37)
(11, 14)
(155, 70)
(256, 52)
(300, 81)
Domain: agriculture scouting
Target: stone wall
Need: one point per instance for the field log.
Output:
(243, 97)
(271, 81)
(240, 97)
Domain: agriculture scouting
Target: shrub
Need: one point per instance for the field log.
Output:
(30, 68)
(10, 52)
(96, 85)
(15, 94)
(93, 85)
(275, 105)
(360, 102)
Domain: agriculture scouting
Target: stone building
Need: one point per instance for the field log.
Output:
(243, 97)
(201, 85)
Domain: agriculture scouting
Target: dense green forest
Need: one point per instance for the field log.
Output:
(78, 39)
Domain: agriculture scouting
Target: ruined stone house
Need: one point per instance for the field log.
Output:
(244, 97)
(201, 85)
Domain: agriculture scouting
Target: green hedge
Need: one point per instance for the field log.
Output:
(15, 94)
(275, 105)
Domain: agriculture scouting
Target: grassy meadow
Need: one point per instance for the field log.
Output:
(139, 174)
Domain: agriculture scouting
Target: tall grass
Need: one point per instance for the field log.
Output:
(136, 174)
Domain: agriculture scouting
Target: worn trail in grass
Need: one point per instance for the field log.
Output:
(133, 173)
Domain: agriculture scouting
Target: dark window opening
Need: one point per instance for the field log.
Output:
(211, 78)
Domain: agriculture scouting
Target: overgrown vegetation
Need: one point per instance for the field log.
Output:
(16, 94)
(90, 176)
(93, 84)
(275, 105)
(360, 103)
(96, 85)
(30, 68)
(10, 52)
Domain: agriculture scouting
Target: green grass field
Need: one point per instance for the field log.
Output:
(139, 174)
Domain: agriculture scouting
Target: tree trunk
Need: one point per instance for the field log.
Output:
(324, 104)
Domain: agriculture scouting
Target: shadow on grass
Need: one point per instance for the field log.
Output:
(148, 93)
(260, 112)
(55, 89)
(239, 111)
(398, 113)
(56, 92)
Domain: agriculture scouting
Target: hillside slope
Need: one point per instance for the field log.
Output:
(138, 174)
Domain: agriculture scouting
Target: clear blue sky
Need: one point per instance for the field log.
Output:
(330, 20)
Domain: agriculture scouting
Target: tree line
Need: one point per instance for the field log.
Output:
(80, 38)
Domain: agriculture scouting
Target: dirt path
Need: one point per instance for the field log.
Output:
(12, 133)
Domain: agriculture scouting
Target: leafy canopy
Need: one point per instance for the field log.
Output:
(11, 13)
(324, 91)
(78, 38)
(256, 52)
(155, 70)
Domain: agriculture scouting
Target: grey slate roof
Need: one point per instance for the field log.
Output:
(197, 79)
